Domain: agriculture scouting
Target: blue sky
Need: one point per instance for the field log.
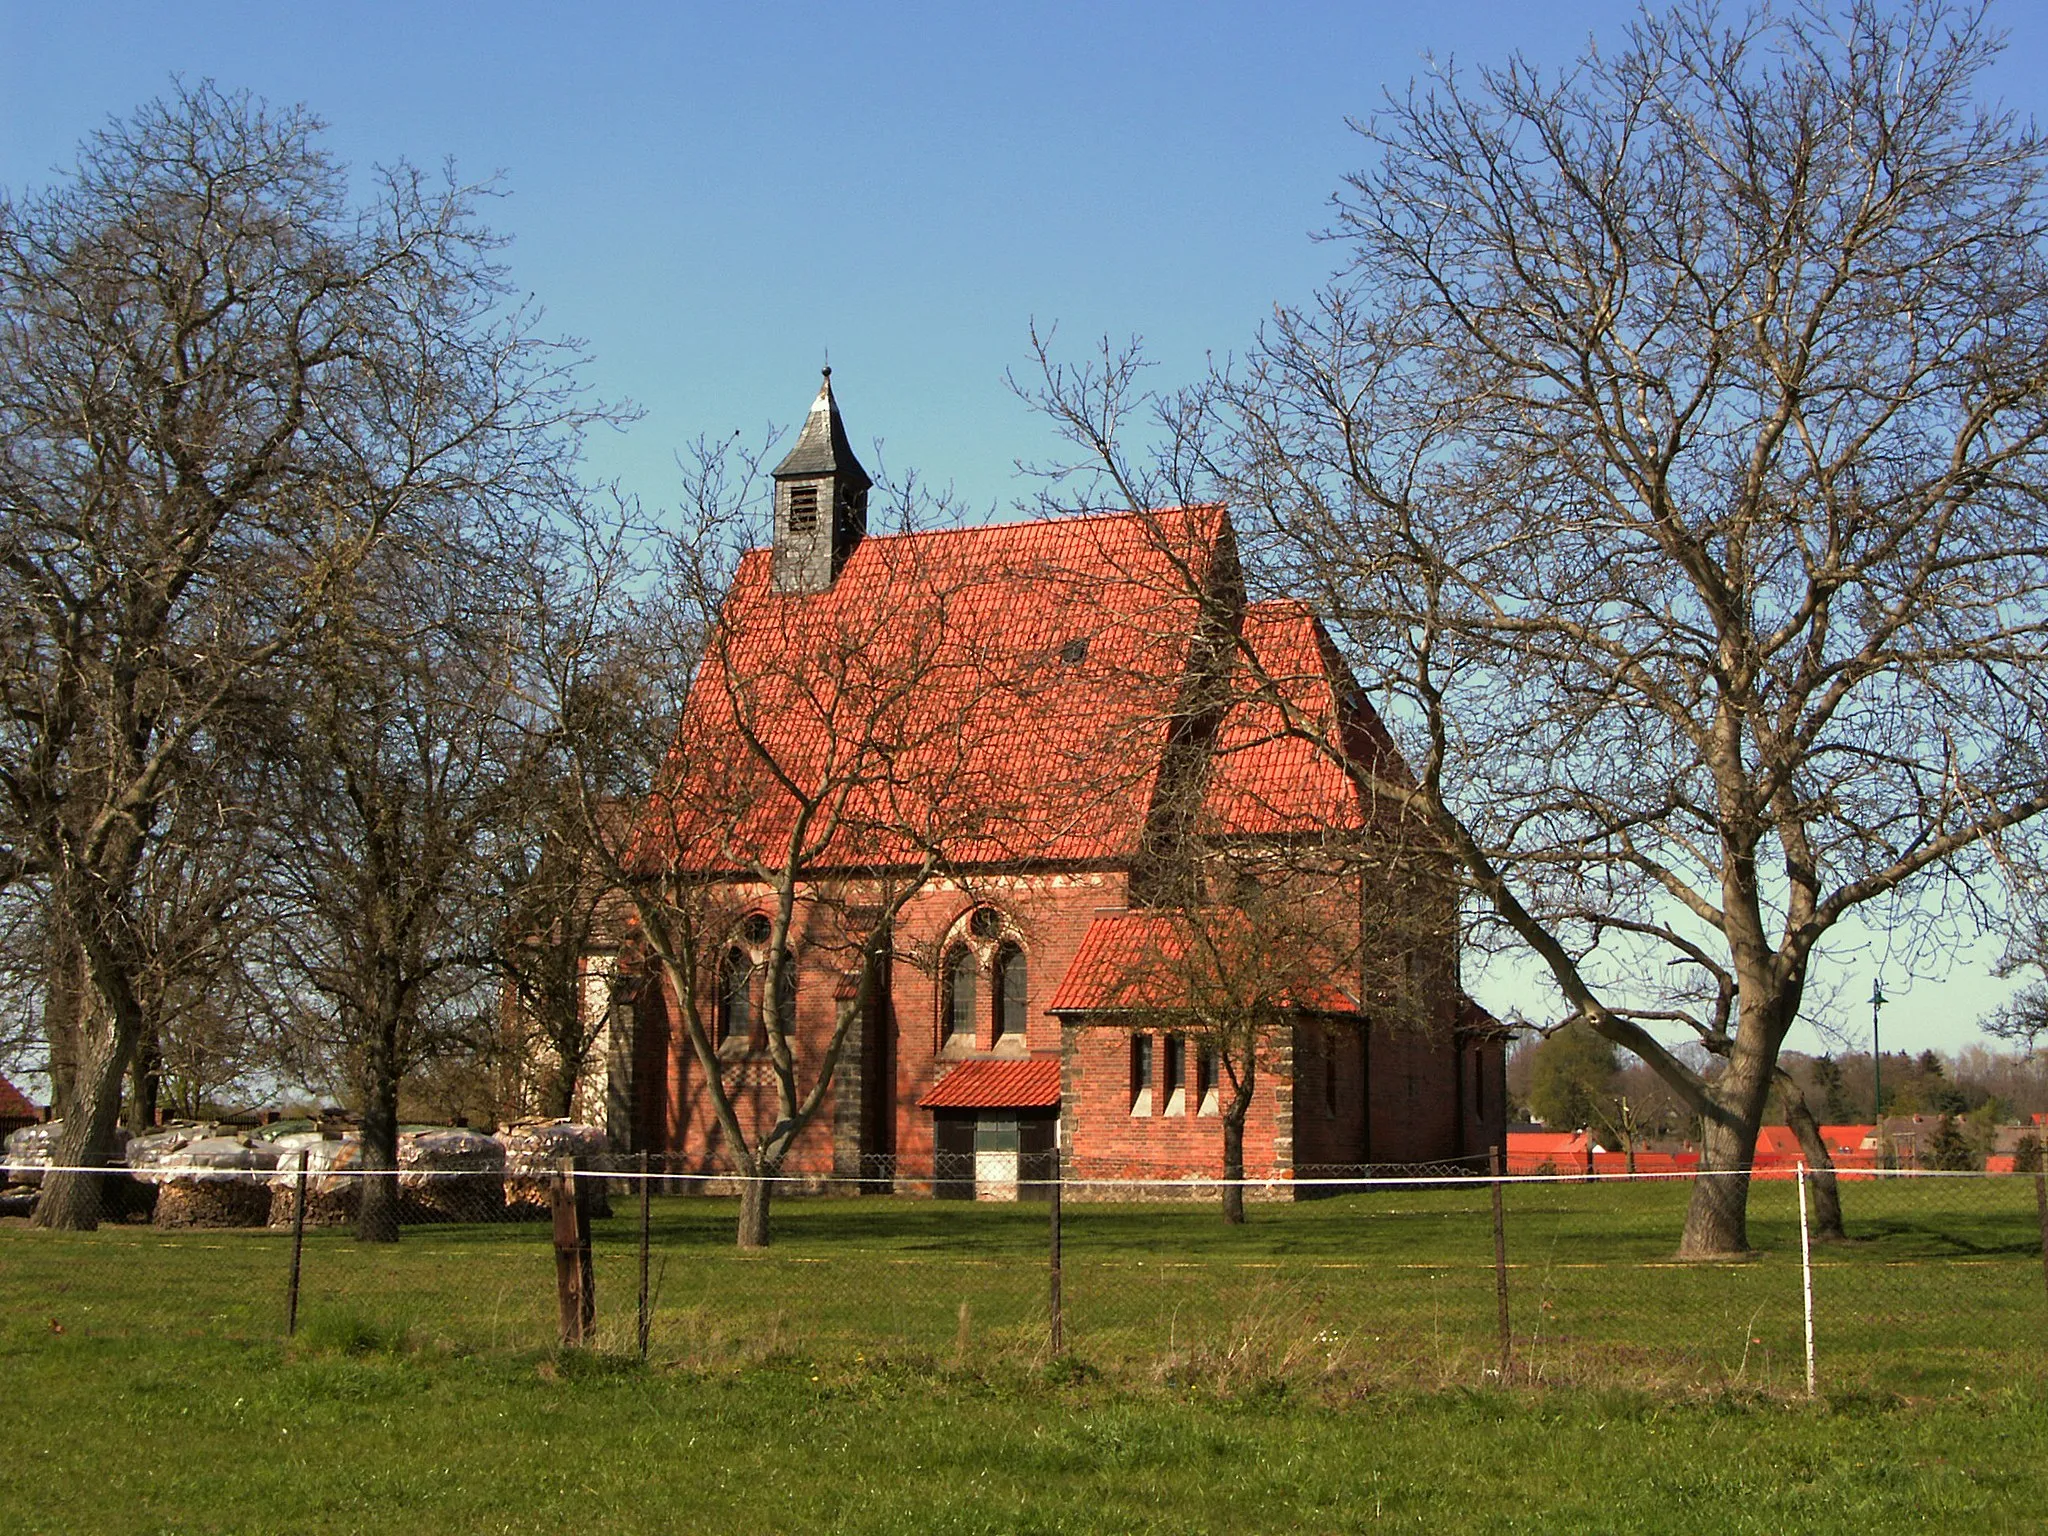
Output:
(715, 196)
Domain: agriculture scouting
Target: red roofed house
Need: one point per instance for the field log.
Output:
(1038, 726)
(16, 1109)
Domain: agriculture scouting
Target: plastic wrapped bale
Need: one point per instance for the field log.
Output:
(216, 1181)
(153, 1149)
(332, 1197)
(148, 1153)
(451, 1175)
(28, 1152)
(535, 1148)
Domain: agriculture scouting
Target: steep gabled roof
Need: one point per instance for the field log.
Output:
(1271, 771)
(14, 1104)
(1006, 692)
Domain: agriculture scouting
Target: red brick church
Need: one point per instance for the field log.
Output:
(1046, 729)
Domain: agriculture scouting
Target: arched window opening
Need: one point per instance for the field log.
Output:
(962, 978)
(756, 928)
(735, 997)
(1011, 988)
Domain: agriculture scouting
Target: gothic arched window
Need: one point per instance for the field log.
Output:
(963, 976)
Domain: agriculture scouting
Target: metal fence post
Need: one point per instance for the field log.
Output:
(291, 1300)
(1058, 1343)
(644, 1244)
(2041, 1213)
(1500, 1268)
(1806, 1274)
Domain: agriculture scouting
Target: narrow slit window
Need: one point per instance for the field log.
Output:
(1330, 1076)
(1205, 1080)
(961, 979)
(1141, 1074)
(1010, 994)
(1174, 1083)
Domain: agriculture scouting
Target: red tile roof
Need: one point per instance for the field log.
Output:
(14, 1104)
(1006, 689)
(1030, 1084)
(1005, 692)
(1141, 961)
(1268, 773)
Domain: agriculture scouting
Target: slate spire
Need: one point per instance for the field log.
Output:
(821, 500)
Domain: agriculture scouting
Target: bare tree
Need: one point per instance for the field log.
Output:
(222, 382)
(409, 765)
(561, 914)
(1668, 457)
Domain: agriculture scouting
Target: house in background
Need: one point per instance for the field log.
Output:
(1069, 715)
(16, 1110)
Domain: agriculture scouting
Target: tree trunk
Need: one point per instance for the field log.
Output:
(377, 1216)
(559, 1095)
(71, 1202)
(1717, 1220)
(1820, 1168)
(145, 1077)
(67, 1005)
(1233, 1170)
(754, 1193)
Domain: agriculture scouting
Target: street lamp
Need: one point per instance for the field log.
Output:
(1876, 1072)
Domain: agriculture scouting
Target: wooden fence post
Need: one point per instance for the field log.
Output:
(291, 1301)
(575, 1286)
(1500, 1268)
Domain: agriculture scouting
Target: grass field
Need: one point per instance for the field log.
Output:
(1330, 1367)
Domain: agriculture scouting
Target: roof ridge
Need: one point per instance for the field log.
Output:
(1064, 519)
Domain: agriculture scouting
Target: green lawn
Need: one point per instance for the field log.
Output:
(1940, 1291)
(1329, 1367)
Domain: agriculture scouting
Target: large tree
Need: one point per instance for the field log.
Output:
(221, 382)
(1669, 455)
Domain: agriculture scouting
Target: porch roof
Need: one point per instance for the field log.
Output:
(1033, 1083)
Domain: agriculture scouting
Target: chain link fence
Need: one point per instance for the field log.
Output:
(1360, 1280)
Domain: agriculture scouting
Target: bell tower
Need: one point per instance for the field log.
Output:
(821, 501)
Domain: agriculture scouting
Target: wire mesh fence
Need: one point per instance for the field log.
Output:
(1939, 1288)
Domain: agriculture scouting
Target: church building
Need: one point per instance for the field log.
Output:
(1040, 746)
